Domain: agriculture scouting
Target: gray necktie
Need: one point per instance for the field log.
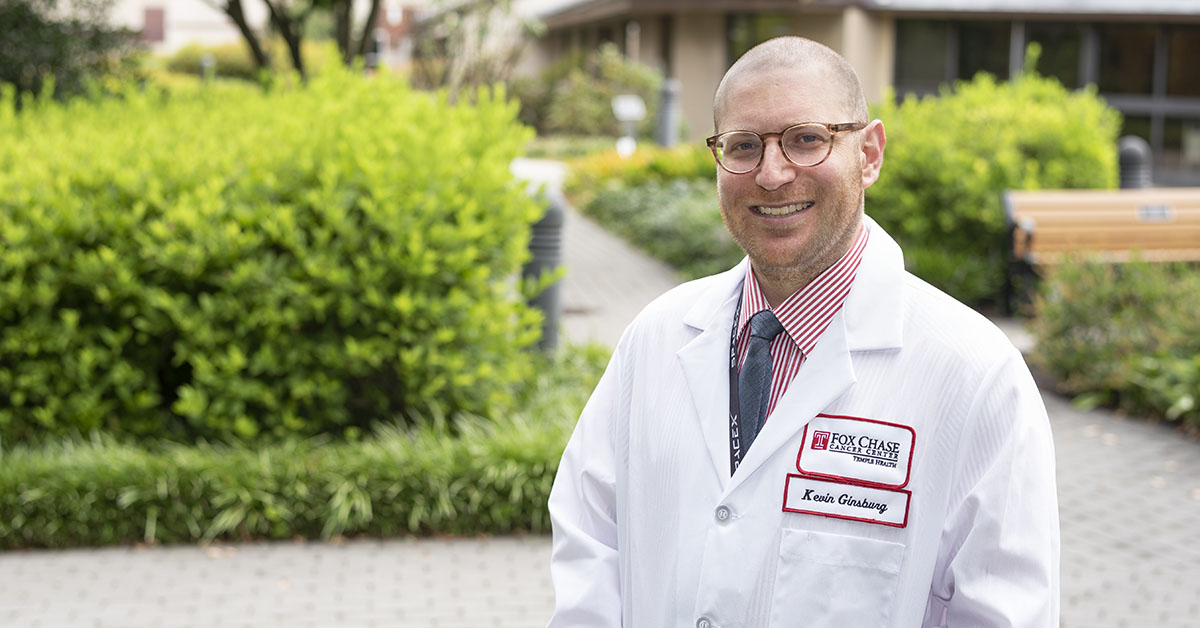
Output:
(754, 382)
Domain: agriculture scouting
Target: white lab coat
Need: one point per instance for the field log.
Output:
(637, 539)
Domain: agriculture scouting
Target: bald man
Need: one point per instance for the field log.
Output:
(815, 437)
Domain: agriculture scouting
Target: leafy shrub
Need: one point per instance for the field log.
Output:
(574, 96)
(564, 147)
(1126, 336)
(468, 476)
(229, 60)
(677, 221)
(233, 262)
(233, 60)
(593, 174)
(949, 159)
(662, 200)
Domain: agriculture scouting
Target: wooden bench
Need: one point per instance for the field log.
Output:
(1051, 226)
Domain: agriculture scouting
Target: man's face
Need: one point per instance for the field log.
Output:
(815, 211)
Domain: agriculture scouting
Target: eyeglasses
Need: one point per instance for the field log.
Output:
(805, 144)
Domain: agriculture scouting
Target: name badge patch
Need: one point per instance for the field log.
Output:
(856, 450)
(846, 501)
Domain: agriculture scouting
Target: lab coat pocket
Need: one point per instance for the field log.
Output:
(834, 581)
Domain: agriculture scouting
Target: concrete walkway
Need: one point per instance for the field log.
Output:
(1129, 498)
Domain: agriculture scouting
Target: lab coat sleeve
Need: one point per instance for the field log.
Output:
(584, 564)
(999, 560)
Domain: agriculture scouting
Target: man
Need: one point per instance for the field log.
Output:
(867, 453)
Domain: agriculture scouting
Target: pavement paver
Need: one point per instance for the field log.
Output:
(402, 583)
(1129, 495)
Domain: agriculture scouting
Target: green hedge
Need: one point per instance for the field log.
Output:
(233, 262)
(949, 159)
(229, 60)
(1125, 336)
(234, 60)
(677, 221)
(662, 200)
(466, 476)
(607, 171)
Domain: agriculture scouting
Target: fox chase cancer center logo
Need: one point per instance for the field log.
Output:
(864, 448)
(857, 450)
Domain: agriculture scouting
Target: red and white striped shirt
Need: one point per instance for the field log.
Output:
(805, 315)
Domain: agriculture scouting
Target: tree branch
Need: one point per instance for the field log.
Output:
(233, 8)
(288, 29)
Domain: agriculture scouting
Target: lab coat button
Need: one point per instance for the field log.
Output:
(703, 623)
(723, 514)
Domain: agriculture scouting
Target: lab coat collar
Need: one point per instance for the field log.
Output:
(874, 311)
(871, 319)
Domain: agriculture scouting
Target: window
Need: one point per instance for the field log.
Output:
(1061, 45)
(1127, 58)
(1183, 51)
(983, 47)
(921, 47)
(747, 31)
(153, 25)
(1181, 143)
(1136, 125)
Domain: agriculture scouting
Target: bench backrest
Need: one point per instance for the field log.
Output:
(1160, 224)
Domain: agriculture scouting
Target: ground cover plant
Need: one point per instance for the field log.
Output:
(231, 262)
(1125, 336)
(452, 474)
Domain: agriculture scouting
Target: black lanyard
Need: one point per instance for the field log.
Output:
(735, 436)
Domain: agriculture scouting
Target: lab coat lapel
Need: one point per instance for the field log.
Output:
(826, 374)
(705, 364)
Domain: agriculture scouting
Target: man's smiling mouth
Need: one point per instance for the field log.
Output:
(781, 211)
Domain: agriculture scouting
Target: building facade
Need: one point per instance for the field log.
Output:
(1142, 55)
(168, 25)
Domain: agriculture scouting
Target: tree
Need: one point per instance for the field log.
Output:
(351, 48)
(288, 18)
(73, 42)
(468, 43)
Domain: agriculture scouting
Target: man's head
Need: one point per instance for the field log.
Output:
(795, 221)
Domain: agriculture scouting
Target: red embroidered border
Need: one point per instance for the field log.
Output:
(907, 502)
(858, 481)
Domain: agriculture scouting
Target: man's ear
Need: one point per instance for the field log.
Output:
(874, 139)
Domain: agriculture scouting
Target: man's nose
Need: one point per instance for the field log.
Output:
(775, 171)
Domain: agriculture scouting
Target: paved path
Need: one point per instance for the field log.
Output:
(1129, 498)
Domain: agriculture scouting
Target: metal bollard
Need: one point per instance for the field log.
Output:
(667, 133)
(546, 248)
(1133, 155)
(208, 66)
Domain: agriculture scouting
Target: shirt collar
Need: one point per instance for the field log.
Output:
(806, 314)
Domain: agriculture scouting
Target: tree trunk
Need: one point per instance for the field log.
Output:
(290, 29)
(368, 28)
(342, 15)
(233, 8)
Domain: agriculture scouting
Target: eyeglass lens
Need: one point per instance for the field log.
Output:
(804, 145)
